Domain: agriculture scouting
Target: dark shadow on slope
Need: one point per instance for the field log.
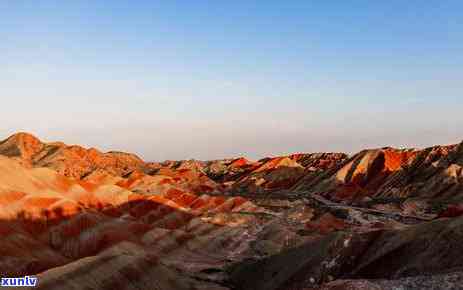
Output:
(33, 243)
(426, 249)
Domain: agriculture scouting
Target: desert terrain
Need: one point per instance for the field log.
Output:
(383, 218)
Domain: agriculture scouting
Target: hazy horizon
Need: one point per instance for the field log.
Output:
(210, 80)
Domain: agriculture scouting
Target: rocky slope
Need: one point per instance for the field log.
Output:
(125, 169)
(59, 227)
(72, 161)
(360, 176)
(280, 173)
(427, 249)
(408, 181)
(82, 219)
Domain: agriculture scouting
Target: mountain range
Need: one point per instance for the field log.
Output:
(383, 218)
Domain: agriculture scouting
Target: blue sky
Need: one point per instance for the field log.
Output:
(212, 79)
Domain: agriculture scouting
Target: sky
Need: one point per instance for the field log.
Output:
(215, 79)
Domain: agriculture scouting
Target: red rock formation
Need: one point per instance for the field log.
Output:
(80, 218)
(48, 220)
(319, 160)
(22, 146)
(280, 173)
(240, 162)
(326, 223)
(72, 161)
(273, 174)
(360, 176)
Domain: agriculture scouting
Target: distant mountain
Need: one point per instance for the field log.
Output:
(72, 161)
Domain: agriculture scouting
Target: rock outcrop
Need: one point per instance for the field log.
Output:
(281, 173)
(72, 161)
(360, 176)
